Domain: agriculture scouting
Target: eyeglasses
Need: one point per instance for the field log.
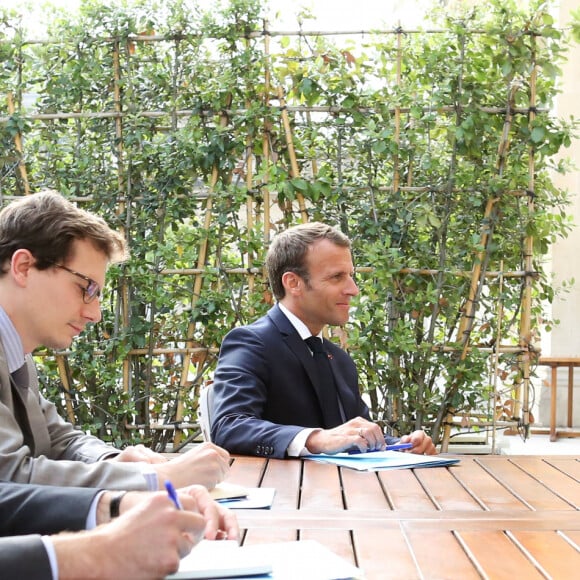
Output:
(92, 291)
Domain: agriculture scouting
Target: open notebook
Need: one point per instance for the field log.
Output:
(304, 560)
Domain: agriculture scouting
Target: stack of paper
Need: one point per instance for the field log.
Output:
(376, 460)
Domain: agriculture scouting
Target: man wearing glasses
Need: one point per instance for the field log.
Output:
(53, 260)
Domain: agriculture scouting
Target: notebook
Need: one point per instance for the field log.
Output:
(222, 559)
(303, 560)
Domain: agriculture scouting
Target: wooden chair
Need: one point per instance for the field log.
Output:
(555, 363)
(204, 410)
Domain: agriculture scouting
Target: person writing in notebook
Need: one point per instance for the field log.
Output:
(53, 260)
(108, 534)
(279, 389)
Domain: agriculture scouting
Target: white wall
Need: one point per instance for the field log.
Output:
(564, 340)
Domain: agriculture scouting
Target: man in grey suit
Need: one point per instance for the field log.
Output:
(152, 533)
(270, 396)
(53, 260)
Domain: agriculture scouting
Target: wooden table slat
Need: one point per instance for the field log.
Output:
(554, 554)
(339, 541)
(269, 535)
(440, 555)
(362, 491)
(246, 471)
(321, 487)
(488, 491)
(285, 477)
(384, 553)
(497, 556)
(523, 485)
(573, 537)
(404, 490)
(556, 481)
(569, 466)
(446, 490)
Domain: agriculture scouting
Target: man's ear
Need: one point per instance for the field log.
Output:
(292, 282)
(20, 265)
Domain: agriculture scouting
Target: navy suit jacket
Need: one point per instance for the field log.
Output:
(264, 389)
(26, 511)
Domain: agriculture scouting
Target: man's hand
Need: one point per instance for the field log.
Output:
(147, 541)
(221, 523)
(364, 436)
(139, 453)
(358, 433)
(422, 443)
(206, 464)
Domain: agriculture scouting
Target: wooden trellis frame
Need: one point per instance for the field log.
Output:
(260, 216)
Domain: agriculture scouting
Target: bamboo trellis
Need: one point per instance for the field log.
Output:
(259, 214)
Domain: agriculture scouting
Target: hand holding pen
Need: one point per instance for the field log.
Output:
(173, 495)
(221, 523)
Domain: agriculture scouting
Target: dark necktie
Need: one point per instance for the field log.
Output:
(327, 392)
(20, 394)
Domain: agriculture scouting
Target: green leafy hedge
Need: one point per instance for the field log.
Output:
(167, 121)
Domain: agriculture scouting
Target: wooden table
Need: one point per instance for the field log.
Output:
(490, 516)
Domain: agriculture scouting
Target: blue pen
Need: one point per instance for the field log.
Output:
(398, 446)
(173, 495)
(394, 447)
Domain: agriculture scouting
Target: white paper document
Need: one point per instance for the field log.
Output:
(257, 498)
(225, 490)
(305, 560)
(376, 460)
(222, 559)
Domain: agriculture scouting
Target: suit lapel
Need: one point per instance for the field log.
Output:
(300, 349)
(303, 354)
(27, 411)
(345, 394)
(35, 412)
(19, 399)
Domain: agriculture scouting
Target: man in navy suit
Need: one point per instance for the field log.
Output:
(268, 395)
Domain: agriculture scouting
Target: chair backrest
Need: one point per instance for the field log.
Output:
(204, 410)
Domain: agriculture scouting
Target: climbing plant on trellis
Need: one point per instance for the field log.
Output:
(200, 133)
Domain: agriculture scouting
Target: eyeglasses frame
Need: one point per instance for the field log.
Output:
(88, 296)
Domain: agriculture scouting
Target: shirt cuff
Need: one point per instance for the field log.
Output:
(49, 547)
(109, 454)
(297, 447)
(151, 478)
(92, 515)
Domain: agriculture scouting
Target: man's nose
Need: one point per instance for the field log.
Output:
(92, 311)
(353, 288)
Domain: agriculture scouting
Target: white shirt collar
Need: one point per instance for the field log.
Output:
(300, 327)
(11, 342)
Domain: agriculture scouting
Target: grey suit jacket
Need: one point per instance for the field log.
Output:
(33, 510)
(38, 446)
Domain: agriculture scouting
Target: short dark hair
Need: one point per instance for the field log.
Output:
(287, 252)
(47, 224)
